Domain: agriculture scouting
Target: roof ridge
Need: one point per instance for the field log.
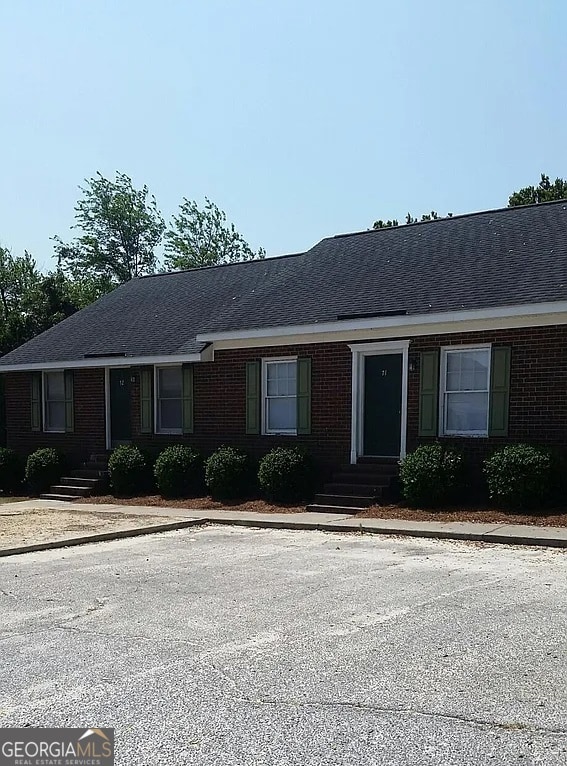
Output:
(220, 265)
(507, 208)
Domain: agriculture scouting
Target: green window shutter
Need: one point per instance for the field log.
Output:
(69, 405)
(253, 397)
(146, 400)
(499, 391)
(36, 402)
(304, 395)
(428, 393)
(187, 399)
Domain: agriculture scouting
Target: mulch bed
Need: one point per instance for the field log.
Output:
(555, 517)
(199, 503)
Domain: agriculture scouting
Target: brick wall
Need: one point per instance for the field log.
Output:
(538, 387)
(220, 404)
(89, 434)
(538, 400)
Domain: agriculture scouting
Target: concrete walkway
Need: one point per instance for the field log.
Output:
(510, 534)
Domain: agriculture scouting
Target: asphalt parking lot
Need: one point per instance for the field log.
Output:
(235, 646)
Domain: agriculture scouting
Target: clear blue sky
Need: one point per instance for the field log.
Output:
(300, 119)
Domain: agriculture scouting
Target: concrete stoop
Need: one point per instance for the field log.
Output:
(86, 481)
(357, 486)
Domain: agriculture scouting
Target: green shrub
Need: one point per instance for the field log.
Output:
(228, 473)
(431, 475)
(519, 476)
(43, 468)
(286, 474)
(128, 470)
(11, 471)
(178, 472)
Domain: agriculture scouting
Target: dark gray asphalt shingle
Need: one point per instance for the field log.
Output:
(497, 258)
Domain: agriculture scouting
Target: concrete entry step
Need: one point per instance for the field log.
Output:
(54, 496)
(341, 488)
(347, 509)
(65, 489)
(80, 481)
(89, 473)
(376, 479)
(356, 501)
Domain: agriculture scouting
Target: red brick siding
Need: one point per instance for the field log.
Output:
(538, 386)
(220, 404)
(89, 434)
(538, 399)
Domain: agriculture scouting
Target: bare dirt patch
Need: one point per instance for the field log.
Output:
(28, 527)
(198, 503)
(549, 518)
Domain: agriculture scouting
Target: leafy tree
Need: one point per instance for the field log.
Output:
(380, 224)
(433, 216)
(120, 229)
(203, 237)
(30, 302)
(545, 191)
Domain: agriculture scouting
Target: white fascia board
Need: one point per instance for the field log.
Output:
(379, 323)
(109, 361)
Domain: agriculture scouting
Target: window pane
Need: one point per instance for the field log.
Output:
(170, 382)
(466, 412)
(170, 414)
(281, 378)
(55, 412)
(281, 414)
(55, 386)
(467, 370)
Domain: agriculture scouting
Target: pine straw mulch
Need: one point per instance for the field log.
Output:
(554, 517)
(199, 503)
(550, 517)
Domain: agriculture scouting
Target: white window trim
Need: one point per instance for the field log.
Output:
(157, 429)
(44, 374)
(265, 362)
(443, 382)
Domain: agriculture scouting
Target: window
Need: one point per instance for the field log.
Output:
(465, 382)
(280, 396)
(54, 401)
(169, 395)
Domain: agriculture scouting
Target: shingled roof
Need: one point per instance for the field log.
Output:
(497, 258)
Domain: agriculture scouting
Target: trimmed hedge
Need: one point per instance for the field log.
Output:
(128, 470)
(431, 475)
(43, 468)
(286, 474)
(11, 470)
(178, 472)
(520, 476)
(228, 473)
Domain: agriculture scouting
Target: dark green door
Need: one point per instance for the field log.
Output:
(120, 428)
(382, 405)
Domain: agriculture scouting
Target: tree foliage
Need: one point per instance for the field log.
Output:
(30, 302)
(203, 237)
(120, 227)
(545, 191)
(432, 216)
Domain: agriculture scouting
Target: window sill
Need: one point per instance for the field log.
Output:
(170, 432)
(54, 431)
(279, 433)
(465, 435)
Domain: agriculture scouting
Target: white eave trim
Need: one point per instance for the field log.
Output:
(402, 320)
(108, 361)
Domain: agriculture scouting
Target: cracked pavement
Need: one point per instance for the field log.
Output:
(239, 646)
